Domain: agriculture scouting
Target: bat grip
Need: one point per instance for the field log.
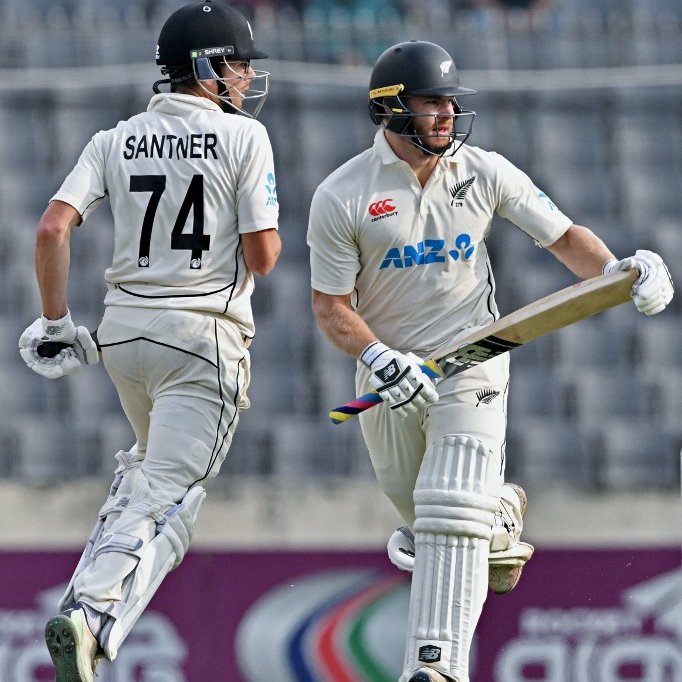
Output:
(48, 349)
(364, 402)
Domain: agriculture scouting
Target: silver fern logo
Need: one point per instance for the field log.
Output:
(459, 190)
(486, 395)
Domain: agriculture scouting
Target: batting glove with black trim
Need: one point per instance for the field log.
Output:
(398, 378)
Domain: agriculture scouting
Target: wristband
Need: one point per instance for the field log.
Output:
(608, 265)
(372, 351)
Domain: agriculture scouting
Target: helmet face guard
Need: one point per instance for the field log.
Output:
(241, 88)
(393, 113)
(418, 69)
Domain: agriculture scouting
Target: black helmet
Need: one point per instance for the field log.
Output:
(196, 38)
(413, 68)
(203, 26)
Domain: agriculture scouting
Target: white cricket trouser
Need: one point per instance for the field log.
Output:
(397, 444)
(181, 378)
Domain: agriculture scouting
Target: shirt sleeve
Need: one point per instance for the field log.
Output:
(257, 204)
(334, 252)
(85, 187)
(527, 206)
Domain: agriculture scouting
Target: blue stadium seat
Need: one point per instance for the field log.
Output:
(543, 450)
(533, 392)
(46, 449)
(591, 396)
(638, 456)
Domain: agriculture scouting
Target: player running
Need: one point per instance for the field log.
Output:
(192, 189)
(399, 265)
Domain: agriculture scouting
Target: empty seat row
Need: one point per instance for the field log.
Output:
(618, 453)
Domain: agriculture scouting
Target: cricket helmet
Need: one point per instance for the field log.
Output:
(414, 68)
(197, 39)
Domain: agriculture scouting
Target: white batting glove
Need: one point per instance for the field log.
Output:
(64, 363)
(653, 289)
(63, 330)
(398, 378)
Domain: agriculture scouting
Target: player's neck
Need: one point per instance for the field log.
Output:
(421, 164)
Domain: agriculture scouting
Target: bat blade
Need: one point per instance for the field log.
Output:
(559, 309)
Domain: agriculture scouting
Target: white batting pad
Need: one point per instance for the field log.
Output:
(134, 545)
(508, 554)
(508, 521)
(157, 558)
(454, 518)
(124, 476)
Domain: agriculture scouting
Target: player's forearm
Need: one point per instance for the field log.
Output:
(52, 267)
(581, 251)
(53, 256)
(341, 324)
(52, 270)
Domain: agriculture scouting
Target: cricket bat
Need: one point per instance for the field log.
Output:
(564, 307)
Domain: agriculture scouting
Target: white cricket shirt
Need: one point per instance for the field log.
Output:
(184, 180)
(416, 259)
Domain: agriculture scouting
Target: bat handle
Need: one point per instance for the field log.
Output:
(49, 349)
(344, 412)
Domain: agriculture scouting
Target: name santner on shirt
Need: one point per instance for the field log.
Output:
(192, 146)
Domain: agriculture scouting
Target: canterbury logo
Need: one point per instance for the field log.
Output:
(381, 208)
(459, 191)
(486, 395)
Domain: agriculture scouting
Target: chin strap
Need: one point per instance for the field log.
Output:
(426, 150)
(225, 104)
(156, 85)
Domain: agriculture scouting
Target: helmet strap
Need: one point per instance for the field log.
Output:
(426, 150)
(409, 131)
(156, 85)
(225, 100)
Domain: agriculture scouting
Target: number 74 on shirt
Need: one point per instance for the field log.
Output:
(564, 307)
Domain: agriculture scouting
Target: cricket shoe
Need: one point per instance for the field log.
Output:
(429, 675)
(508, 555)
(72, 646)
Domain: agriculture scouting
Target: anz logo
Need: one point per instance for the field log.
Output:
(429, 251)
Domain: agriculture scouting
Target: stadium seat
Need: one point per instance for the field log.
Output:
(544, 450)
(638, 456)
(533, 392)
(597, 393)
(46, 448)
